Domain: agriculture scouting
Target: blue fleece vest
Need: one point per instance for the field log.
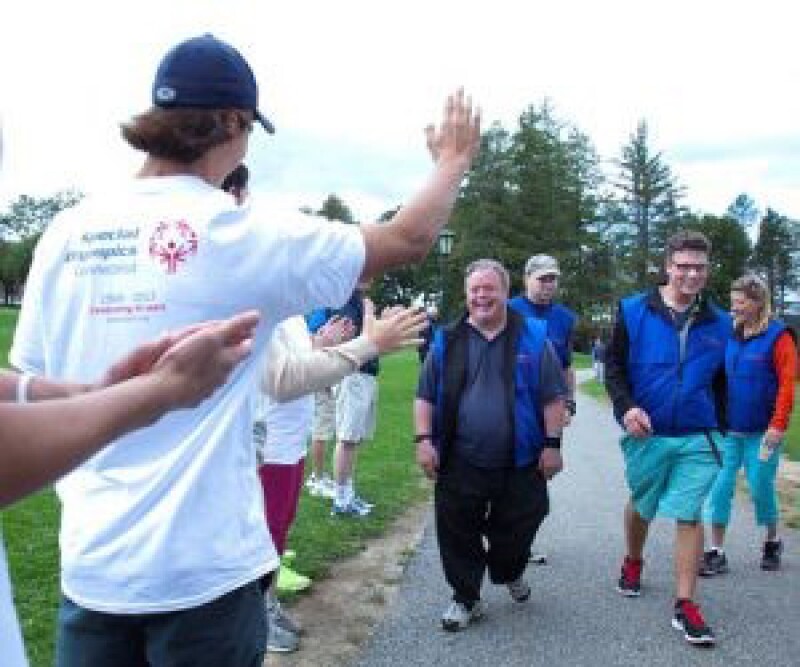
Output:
(528, 418)
(752, 380)
(676, 393)
(560, 323)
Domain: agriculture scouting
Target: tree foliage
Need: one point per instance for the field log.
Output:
(650, 201)
(20, 228)
(775, 255)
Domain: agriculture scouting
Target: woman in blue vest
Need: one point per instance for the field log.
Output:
(760, 366)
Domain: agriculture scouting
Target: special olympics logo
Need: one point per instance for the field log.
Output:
(172, 243)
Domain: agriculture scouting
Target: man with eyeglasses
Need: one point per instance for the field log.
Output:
(665, 377)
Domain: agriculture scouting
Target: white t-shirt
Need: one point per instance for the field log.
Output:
(287, 425)
(170, 517)
(12, 653)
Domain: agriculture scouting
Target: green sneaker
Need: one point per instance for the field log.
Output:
(290, 581)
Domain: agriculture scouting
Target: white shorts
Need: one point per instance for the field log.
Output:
(324, 424)
(356, 407)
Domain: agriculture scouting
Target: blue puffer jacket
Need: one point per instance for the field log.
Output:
(524, 345)
(671, 382)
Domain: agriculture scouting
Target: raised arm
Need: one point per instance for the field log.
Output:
(288, 376)
(413, 230)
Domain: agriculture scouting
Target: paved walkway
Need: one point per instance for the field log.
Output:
(575, 616)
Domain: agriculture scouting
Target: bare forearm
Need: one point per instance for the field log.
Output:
(554, 418)
(40, 442)
(38, 388)
(423, 416)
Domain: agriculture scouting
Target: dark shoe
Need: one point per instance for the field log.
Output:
(519, 590)
(630, 579)
(714, 562)
(690, 621)
(771, 558)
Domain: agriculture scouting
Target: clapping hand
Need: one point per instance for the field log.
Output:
(397, 327)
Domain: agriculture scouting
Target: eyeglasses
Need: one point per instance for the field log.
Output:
(686, 268)
(547, 278)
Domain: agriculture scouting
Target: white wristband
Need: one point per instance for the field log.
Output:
(23, 380)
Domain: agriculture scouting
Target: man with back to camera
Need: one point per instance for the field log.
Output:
(177, 540)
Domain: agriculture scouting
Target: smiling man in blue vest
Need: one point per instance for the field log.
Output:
(488, 416)
(665, 377)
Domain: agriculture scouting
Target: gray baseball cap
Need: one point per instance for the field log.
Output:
(542, 265)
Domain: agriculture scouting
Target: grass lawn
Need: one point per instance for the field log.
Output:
(581, 360)
(386, 475)
(8, 320)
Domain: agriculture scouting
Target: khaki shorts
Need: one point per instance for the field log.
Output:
(356, 407)
(324, 425)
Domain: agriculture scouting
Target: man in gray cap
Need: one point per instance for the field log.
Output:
(541, 286)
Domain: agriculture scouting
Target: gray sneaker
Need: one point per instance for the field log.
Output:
(281, 640)
(277, 615)
(519, 590)
(457, 617)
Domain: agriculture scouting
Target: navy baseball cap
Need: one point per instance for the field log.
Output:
(206, 73)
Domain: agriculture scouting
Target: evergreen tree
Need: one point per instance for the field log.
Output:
(774, 255)
(651, 197)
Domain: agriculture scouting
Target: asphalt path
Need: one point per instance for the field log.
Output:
(575, 616)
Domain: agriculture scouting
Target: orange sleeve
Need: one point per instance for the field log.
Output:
(784, 356)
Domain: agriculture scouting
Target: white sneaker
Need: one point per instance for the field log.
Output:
(362, 505)
(280, 640)
(457, 617)
(277, 614)
(349, 509)
(327, 487)
(312, 484)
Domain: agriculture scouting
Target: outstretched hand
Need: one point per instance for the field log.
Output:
(456, 141)
(336, 330)
(397, 327)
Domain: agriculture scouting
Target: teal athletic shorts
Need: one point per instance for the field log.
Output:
(670, 477)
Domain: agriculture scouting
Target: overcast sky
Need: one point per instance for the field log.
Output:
(350, 85)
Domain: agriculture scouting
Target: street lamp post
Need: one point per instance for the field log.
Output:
(444, 246)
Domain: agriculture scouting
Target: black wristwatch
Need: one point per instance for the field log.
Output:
(422, 437)
(552, 442)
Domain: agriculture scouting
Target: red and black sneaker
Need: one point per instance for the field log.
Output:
(690, 621)
(630, 579)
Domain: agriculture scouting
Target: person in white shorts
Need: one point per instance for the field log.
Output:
(356, 415)
(326, 331)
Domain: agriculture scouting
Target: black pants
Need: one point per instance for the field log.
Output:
(229, 631)
(505, 506)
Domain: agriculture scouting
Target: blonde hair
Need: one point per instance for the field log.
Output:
(754, 288)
